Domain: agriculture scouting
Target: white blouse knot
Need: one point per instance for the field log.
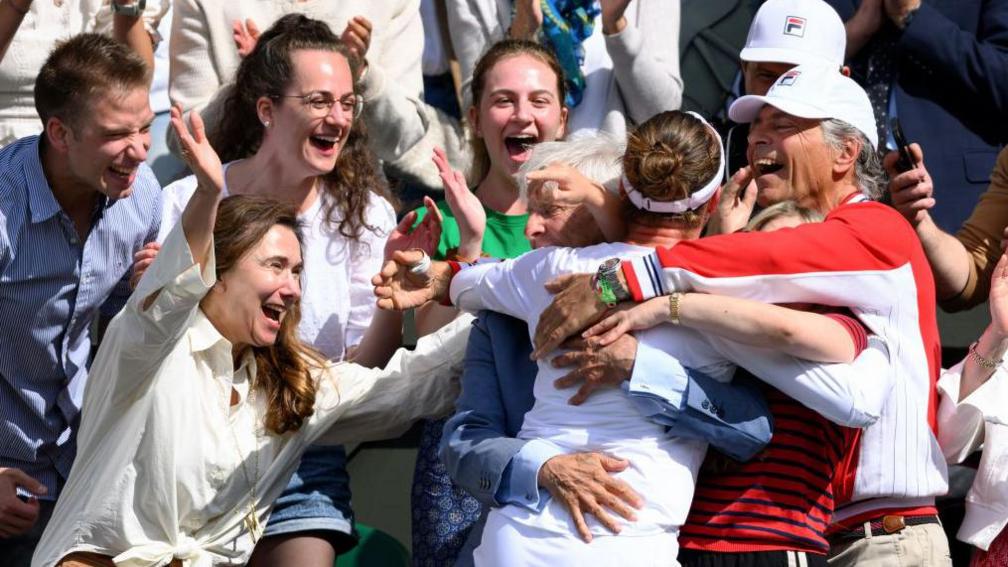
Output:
(186, 549)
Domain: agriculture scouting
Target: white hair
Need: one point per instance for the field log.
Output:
(599, 158)
(868, 172)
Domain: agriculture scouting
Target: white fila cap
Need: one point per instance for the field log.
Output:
(813, 91)
(796, 32)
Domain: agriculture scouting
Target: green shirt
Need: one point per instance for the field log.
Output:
(504, 236)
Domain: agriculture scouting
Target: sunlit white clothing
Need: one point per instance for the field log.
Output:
(963, 426)
(167, 464)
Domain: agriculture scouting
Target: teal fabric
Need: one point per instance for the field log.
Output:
(566, 24)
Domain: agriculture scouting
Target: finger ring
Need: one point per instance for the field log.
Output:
(422, 265)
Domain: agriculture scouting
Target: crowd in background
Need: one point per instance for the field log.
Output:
(672, 269)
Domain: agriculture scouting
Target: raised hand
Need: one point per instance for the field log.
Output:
(357, 36)
(245, 36)
(197, 152)
(912, 191)
(425, 236)
(738, 197)
(467, 208)
(999, 297)
(613, 20)
(398, 286)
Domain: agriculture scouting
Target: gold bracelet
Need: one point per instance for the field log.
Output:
(16, 8)
(673, 307)
(980, 359)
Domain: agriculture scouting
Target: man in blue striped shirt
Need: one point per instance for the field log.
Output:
(75, 204)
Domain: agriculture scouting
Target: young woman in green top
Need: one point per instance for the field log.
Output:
(518, 94)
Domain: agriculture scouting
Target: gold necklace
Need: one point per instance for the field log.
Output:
(251, 519)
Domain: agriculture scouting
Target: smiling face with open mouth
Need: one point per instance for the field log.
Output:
(310, 123)
(519, 108)
(252, 299)
(790, 158)
(107, 144)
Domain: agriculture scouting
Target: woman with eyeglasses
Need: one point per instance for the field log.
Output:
(288, 131)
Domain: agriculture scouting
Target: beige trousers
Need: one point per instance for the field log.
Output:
(913, 546)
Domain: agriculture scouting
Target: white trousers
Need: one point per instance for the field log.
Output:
(507, 543)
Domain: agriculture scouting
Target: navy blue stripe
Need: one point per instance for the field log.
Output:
(652, 273)
(770, 504)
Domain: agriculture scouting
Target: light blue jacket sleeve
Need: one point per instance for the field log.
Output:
(479, 448)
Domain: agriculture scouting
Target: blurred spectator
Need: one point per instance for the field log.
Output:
(439, 85)
(166, 166)
(75, 205)
(620, 57)
(942, 69)
(972, 415)
(29, 31)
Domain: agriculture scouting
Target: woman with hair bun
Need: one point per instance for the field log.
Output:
(672, 170)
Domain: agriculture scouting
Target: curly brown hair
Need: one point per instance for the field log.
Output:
(267, 71)
(283, 370)
(667, 158)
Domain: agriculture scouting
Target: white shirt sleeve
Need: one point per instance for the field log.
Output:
(851, 395)
(364, 404)
(513, 287)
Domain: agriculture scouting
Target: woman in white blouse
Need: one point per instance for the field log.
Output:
(202, 398)
(290, 130)
(973, 412)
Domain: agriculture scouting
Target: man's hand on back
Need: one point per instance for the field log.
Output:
(584, 483)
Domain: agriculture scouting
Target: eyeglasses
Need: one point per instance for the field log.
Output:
(320, 103)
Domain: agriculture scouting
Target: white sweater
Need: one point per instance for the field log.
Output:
(204, 58)
(48, 22)
(981, 418)
(639, 65)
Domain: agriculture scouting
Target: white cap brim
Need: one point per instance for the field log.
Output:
(782, 55)
(746, 108)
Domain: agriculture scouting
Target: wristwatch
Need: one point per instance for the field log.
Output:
(131, 8)
(607, 285)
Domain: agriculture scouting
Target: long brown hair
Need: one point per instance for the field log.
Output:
(267, 71)
(498, 52)
(668, 157)
(283, 370)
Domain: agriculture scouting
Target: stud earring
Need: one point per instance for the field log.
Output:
(266, 123)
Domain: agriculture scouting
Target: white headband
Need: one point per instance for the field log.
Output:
(695, 200)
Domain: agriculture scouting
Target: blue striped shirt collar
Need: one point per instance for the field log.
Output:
(41, 201)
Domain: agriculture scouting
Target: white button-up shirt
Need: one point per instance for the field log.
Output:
(165, 464)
